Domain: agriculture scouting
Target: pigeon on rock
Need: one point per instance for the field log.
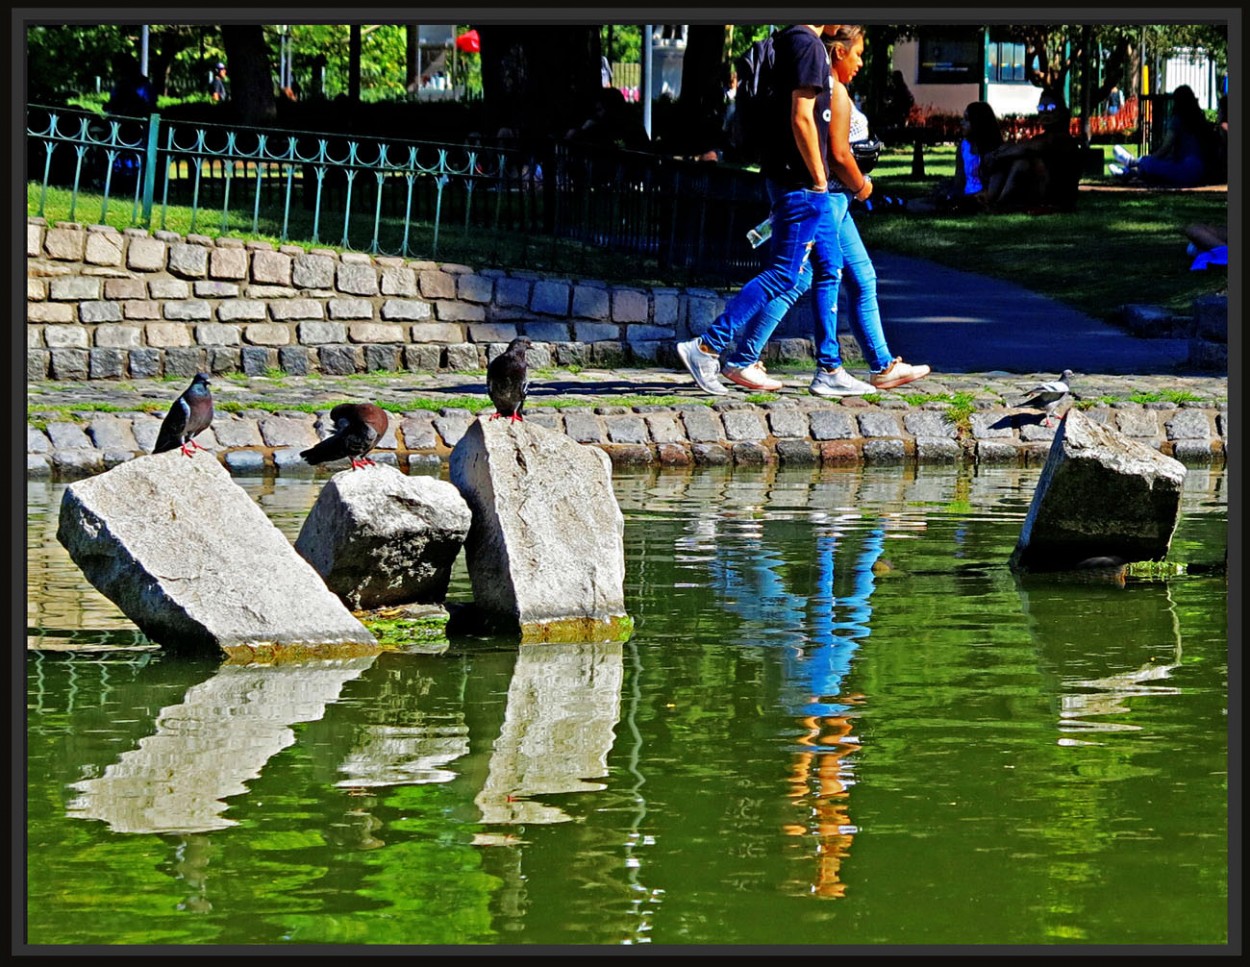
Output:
(190, 415)
(1046, 396)
(357, 429)
(507, 380)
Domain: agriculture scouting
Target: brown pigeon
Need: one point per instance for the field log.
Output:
(507, 380)
(190, 415)
(357, 429)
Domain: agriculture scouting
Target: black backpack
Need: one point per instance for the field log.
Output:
(755, 90)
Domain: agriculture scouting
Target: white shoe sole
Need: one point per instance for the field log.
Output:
(738, 380)
(714, 387)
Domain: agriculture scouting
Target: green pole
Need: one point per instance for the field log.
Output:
(984, 94)
(149, 168)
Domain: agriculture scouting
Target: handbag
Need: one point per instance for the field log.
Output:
(866, 153)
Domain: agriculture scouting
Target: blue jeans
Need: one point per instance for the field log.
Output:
(860, 278)
(801, 226)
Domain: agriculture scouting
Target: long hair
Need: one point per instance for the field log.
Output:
(984, 133)
(846, 35)
(1185, 106)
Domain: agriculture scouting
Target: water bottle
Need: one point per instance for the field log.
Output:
(760, 233)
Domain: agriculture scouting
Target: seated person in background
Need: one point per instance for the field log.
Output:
(1189, 152)
(1041, 172)
(981, 135)
(1208, 244)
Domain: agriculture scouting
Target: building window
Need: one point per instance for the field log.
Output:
(1006, 62)
(950, 56)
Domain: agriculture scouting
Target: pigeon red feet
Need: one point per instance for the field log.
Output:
(517, 418)
(495, 416)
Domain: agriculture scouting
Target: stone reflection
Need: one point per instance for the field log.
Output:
(207, 748)
(564, 702)
(400, 755)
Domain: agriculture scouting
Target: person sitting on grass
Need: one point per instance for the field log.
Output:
(1039, 174)
(1187, 155)
(962, 194)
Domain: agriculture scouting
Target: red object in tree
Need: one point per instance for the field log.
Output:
(469, 42)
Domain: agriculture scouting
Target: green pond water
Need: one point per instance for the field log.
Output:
(840, 721)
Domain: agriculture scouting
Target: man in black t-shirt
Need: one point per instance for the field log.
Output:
(795, 166)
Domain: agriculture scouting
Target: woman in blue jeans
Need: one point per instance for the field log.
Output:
(858, 273)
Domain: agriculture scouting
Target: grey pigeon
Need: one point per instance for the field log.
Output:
(1046, 396)
(191, 414)
(507, 380)
(357, 429)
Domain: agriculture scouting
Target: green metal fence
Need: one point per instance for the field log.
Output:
(390, 197)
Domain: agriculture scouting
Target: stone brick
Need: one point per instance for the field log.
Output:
(146, 254)
(34, 337)
(929, 424)
(436, 284)
(253, 291)
(374, 332)
(700, 314)
(185, 362)
(1189, 425)
(213, 289)
(96, 312)
(583, 426)
(422, 358)
(107, 364)
(75, 288)
(513, 292)
(405, 310)
(644, 333)
(626, 429)
(295, 360)
(788, 421)
(188, 261)
(319, 333)
(591, 302)
(463, 356)
(1137, 423)
(51, 312)
(666, 306)
(168, 289)
(37, 290)
(459, 312)
(119, 337)
(492, 333)
(591, 332)
(338, 360)
(379, 357)
(356, 279)
(228, 263)
(125, 289)
(243, 310)
(67, 363)
(271, 268)
(65, 244)
(313, 271)
(349, 308)
(145, 363)
(167, 334)
(296, 309)
(66, 337)
(103, 248)
(216, 334)
(630, 305)
(256, 361)
(475, 288)
(744, 425)
(188, 310)
(36, 364)
(551, 297)
(547, 331)
(703, 425)
(34, 240)
(398, 281)
(828, 424)
(267, 334)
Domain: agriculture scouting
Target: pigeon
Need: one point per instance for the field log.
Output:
(1046, 396)
(507, 380)
(190, 415)
(357, 429)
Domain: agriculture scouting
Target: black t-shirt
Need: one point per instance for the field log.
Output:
(801, 61)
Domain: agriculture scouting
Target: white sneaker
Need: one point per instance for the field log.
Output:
(898, 373)
(704, 367)
(753, 377)
(1122, 155)
(1116, 170)
(838, 383)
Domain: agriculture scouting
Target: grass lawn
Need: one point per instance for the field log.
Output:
(1120, 247)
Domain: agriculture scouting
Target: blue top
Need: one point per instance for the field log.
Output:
(972, 167)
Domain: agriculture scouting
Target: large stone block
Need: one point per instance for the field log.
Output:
(1102, 498)
(380, 538)
(191, 559)
(546, 552)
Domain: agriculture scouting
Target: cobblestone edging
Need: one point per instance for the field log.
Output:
(729, 433)
(107, 304)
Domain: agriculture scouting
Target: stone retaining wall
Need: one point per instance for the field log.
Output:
(728, 433)
(106, 304)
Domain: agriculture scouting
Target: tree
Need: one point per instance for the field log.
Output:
(539, 81)
(701, 105)
(251, 77)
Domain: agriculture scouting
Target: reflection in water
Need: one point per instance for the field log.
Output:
(397, 755)
(819, 635)
(205, 749)
(563, 704)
